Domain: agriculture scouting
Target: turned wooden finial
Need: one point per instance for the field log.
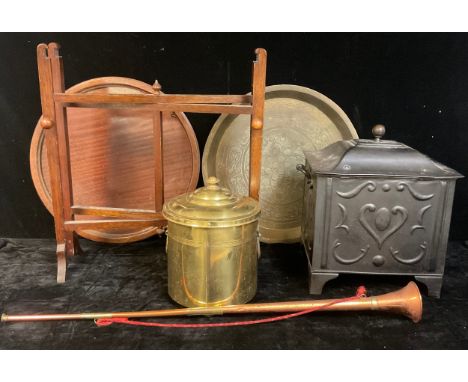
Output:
(46, 123)
(256, 124)
(157, 86)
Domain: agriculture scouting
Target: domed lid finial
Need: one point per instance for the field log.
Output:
(212, 183)
(378, 131)
(212, 180)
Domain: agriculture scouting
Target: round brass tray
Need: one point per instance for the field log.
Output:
(296, 119)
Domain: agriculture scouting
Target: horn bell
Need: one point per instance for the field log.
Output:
(406, 301)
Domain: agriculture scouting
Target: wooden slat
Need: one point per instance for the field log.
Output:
(152, 98)
(256, 122)
(117, 212)
(158, 161)
(63, 159)
(185, 108)
(48, 122)
(48, 115)
(112, 223)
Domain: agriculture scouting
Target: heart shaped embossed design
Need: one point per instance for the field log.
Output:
(391, 228)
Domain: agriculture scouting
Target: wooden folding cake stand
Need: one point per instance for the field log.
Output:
(55, 101)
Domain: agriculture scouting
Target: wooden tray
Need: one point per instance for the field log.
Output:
(112, 157)
(296, 118)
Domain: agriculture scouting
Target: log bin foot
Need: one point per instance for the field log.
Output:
(433, 284)
(318, 280)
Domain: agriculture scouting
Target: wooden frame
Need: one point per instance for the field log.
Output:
(55, 101)
(97, 129)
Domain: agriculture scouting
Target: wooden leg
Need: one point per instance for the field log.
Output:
(72, 244)
(61, 263)
(433, 284)
(76, 245)
(318, 280)
(70, 247)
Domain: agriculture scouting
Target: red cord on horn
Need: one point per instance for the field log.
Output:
(361, 292)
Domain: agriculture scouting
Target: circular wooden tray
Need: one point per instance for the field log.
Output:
(112, 157)
(296, 119)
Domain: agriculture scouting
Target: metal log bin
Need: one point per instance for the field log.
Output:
(212, 247)
(378, 207)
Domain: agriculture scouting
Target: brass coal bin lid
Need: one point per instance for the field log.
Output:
(211, 206)
(376, 158)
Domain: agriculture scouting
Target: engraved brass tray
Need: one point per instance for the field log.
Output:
(296, 119)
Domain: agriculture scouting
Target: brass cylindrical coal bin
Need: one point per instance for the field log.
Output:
(212, 247)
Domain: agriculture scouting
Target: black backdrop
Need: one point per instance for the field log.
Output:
(416, 84)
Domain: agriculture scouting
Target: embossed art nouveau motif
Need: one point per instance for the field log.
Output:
(380, 221)
(384, 225)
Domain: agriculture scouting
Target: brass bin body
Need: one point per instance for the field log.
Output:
(212, 266)
(212, 262)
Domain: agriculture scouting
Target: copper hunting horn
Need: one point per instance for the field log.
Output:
(406, 301)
